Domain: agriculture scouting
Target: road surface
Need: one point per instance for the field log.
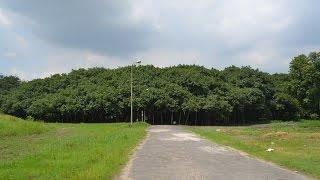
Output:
(170, 152)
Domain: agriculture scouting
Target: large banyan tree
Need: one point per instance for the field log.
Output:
(183, 94)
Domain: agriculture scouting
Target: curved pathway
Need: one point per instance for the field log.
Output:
(170, 152)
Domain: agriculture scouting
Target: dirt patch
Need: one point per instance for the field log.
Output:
(235, 132)
(63, 132)
(261, 125)
(182, 137)
(279, 134)
(214, 150)
(314, 136)
(159, 130)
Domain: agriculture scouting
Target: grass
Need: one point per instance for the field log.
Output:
(296, 144)
(37, 150)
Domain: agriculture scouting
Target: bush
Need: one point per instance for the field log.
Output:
(285, 107)
(30, 118)
(314, 116)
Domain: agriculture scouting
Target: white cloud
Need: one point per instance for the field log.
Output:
(167, 57)
(65, 60)
(242, 22)
(264, 57)
(26, 75)
(265, 34)
(10, 54)
(20, 40)
(99, 60)
(19, 73)
(281, 24)
(4, 20)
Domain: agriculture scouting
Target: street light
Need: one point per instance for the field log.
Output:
(131, 115)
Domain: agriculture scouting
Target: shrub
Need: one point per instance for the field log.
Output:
(314, 116)
(30, 118)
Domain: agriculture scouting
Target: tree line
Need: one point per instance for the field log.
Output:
(183, 94)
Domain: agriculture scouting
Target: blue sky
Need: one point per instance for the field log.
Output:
(39, 38)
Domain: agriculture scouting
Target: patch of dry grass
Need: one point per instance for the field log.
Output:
(296, 144)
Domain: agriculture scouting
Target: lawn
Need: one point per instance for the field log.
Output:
(37, 150)
(296, 144)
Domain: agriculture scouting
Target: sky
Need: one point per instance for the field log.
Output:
(39, 38)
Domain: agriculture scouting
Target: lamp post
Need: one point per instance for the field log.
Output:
(131, 101)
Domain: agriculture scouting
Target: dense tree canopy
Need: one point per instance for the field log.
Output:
(185, 94)
(305, 82)
(7, 83)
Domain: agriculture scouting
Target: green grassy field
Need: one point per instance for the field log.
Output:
(296, 144)
(36, 150)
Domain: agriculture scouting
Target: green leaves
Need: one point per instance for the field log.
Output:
(285, 106)
(305, 82)
(184, 92)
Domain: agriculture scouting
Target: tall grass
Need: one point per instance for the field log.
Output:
(13, 126)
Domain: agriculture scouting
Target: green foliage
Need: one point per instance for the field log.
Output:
(214, 103)
(285, 106)
(193, 94)
(305, 82)
(7, 83)
(30, 118)
(314, 116)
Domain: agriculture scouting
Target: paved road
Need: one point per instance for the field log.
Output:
(169, 152)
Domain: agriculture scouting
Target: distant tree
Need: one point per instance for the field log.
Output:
(219, 106)
(7, 84)
(305, 82)
(285, 107)
(186, 94)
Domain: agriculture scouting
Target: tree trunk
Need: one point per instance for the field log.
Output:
(171, 117)
(142, 116)
(153, 117)
(196, 117)
(187, 119)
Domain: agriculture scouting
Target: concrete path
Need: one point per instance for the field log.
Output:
(170, 152)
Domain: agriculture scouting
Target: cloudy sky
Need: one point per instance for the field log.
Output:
(39, 38)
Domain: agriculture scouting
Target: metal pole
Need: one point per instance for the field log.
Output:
(131, 116)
